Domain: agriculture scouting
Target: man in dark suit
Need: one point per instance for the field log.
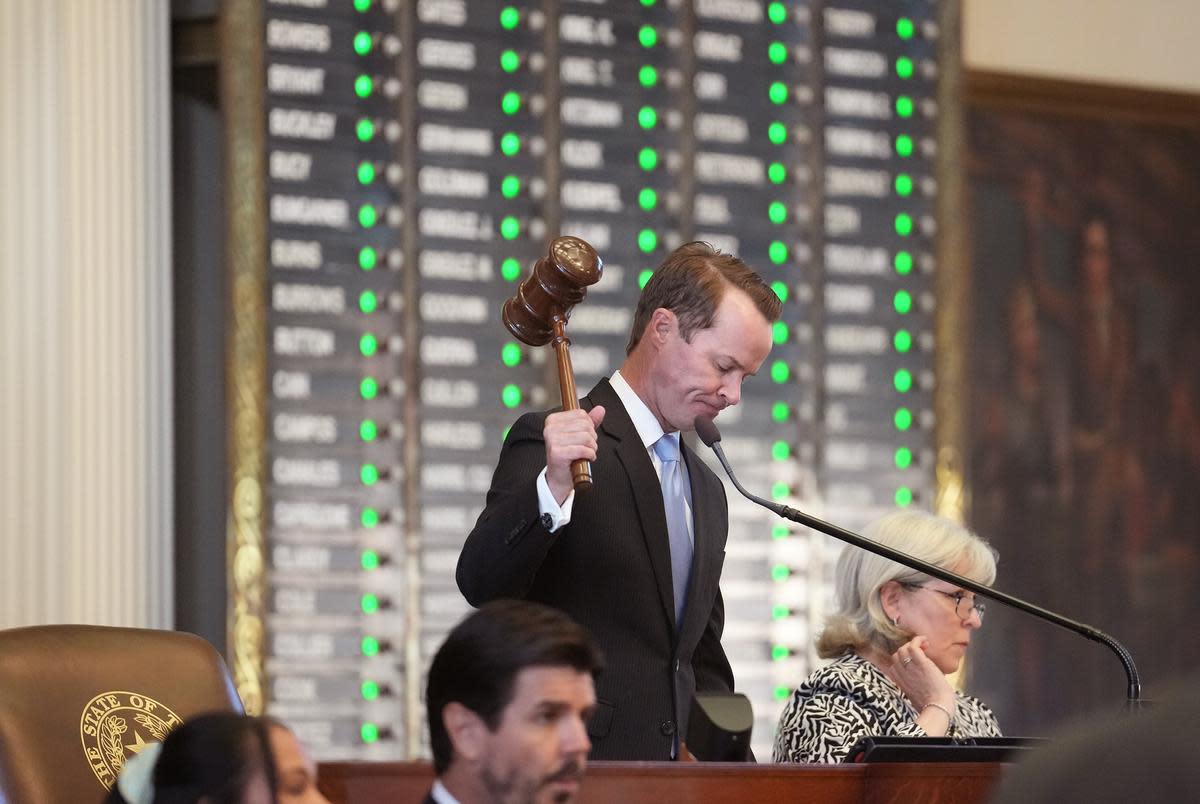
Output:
(508, 698)
(637, 559)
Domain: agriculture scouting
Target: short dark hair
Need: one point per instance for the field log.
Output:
(211, 757)
(691, 281)
(477, 665)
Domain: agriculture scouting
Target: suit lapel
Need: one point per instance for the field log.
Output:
(645, 486)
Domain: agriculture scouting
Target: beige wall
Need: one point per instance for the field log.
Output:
(1148, 43)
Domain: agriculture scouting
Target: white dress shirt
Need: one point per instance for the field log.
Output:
(440, 794)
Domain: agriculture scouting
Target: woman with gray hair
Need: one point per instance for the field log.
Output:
(895, 635)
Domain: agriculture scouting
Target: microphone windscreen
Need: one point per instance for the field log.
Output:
(706, 428)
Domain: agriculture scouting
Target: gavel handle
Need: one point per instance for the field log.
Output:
(581, 470)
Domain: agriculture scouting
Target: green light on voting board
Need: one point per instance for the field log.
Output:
(647, 117)
(369, 690)
(363, 43)
(510, 269)
(368, 430)
(647, 36)
(647, 198)
(777, 252)
(368, 302)
(369, 474)
(510, 354)
(369, 519)
(781, 290)
(510, 144)
(367, 258)
(647, 240)
(368, 388)
(369, 646)
(370, 559)
(510, 395)
(509, 18)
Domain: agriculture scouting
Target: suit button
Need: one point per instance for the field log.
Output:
(667, 727)
(547, 521)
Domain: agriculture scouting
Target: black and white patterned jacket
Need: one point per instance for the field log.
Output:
(850, 699)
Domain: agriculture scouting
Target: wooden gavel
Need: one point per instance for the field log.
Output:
(537, 315)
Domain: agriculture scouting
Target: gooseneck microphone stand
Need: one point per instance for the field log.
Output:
(708, 433)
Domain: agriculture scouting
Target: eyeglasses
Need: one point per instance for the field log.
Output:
(963, 605)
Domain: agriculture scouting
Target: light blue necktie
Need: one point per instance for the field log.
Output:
(667, 450)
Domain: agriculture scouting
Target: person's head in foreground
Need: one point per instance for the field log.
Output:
(701, 327)
(508, 698)
(882, 606)
(219, 758)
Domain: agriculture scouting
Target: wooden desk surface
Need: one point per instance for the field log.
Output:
(699, 783)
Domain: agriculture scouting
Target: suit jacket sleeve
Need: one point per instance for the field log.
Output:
(713, 673)
(509, 542)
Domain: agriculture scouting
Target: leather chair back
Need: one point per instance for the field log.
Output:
(76, 701)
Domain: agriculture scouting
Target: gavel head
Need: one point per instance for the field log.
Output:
(558, 282)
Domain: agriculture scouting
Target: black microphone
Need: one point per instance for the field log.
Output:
(706, 429)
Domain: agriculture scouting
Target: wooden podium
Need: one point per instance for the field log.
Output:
(702, 783)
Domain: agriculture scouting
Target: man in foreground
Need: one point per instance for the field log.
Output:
(508, 698)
